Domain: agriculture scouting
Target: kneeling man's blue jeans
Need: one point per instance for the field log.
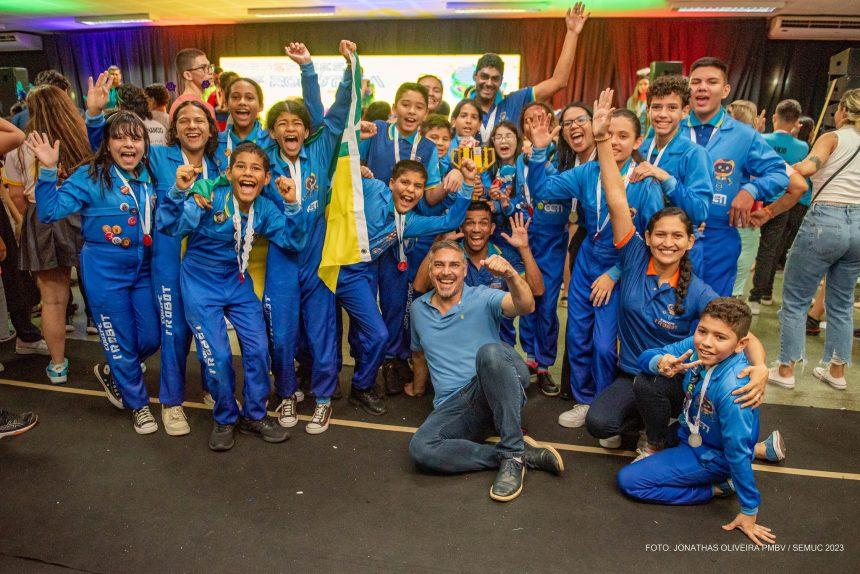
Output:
(452, 438)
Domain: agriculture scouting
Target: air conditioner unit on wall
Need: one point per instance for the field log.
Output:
(19, 42)
(815, 28)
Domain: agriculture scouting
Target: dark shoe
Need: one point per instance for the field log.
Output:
(222, 438)
(70, 324)
(547, 384)
(565, 394)
(533, 368)
(12, 424)
(404, 370)
(391, 377)
(103, 374)
(813, 327)
(369, 401)
(509, 481)
(542, 457)
(92, 329)
(266, 428)
(337, 394)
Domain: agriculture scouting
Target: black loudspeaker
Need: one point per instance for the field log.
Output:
(845, 63)
(9, 78)
(829, 121)
(666, 69)
(844, 84)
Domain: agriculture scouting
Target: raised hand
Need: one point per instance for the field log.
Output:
(519, 237)
(298, 53)
(186, 175)
(98, 93)
(496, 193)
(669, 365)
(499, 267)
(346, 48)
(366, 129)
(576, 17)
(761, 122)
(602, 110)
(469, 170)
(541, 136)
(47, 154)
(756, 532)
(287, 188)
(365, 172)
(453, 180)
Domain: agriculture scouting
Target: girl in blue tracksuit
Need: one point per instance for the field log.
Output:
(293, 286)
(592, 320)
(117, 254)
(716, 437)
(215, 282)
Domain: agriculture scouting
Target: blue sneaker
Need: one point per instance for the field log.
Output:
(774, 447)
(58, 373)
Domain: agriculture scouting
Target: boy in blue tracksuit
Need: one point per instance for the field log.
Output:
(744, 169)
(390, 219)
(221, 219)
(293, 286)
(716, 436)
(116, 259)
(681, 166)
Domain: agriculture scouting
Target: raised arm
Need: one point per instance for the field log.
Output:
(178, 214)
(10, 137)
(298, 53)
(519, 299)
(574, 21)
(287, 229)
(519, 240)
(98, 94)
(52, 203)
(543, 179)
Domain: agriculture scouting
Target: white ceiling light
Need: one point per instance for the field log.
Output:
(294, 12)
(113, 19)
(728, 7)
(495, 7)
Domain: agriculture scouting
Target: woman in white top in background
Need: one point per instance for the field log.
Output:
(827, 245)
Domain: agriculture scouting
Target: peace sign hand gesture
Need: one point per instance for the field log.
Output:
(670, 365)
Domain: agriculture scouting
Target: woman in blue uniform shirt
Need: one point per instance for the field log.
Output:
(117, 253)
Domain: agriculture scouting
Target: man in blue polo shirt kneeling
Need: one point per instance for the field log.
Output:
(479, 381)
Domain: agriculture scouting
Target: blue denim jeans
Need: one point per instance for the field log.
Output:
(827, 245)
(451, 440)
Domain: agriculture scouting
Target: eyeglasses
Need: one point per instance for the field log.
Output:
(208, 67)
(504, 137)
(580, 121)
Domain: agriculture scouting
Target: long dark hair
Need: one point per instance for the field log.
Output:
(211, 143)
(637, 128)
(685, 267)
(120, 124)
(566, 155)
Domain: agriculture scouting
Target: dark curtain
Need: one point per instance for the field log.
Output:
(609, 51)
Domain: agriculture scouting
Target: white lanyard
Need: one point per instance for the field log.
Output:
(397, 146)
(526, 191)
(600, 193)
(296, 174)
(188, 162)
(656, 162)
(146, 212)
(243, 245)
(229, 149)
(487, 129)
(694, 426)
(714, 133)
(399, 225)
(577, 163)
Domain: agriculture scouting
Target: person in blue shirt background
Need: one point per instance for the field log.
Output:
(716, 437)
(744, 169)
(117, 254)
(490, 70)
(221, 219)
(592, 311)
(792, 150)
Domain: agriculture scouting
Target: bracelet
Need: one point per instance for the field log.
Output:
(606, 139)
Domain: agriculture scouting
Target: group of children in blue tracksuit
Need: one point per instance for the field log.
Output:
(169, 234)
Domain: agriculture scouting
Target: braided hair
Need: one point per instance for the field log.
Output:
(685, 266)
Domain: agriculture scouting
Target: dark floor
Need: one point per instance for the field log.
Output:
(83, 491)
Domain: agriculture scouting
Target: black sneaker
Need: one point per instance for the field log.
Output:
(266, 428)
(565, 393)
(391, 377)
(92, 329)
(404, 370)
(542, 457)
(509, 480)
(369, 401)
(70, 324)
(102, 371)
(222, 437)
(813, 327)
(12, 424)
(547, 384)
(144, 422)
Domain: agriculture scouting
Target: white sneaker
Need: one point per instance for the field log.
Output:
(174, 420)
(611, 442)
(144, 423)
(767, 302)
(319, 422)
(774, 378)
(574, 418)
(39, 347)
(755, 307)
(287, 416)
(642, 453)
(208, 400)
(823, 375)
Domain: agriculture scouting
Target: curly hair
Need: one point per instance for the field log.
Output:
(685, 266)
(131, 98)
(731, 311)
(663, 86)
(211, 143)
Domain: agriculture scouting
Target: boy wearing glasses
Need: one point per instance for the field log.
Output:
(194, 72)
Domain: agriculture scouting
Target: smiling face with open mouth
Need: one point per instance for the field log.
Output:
(410, 109)
(434, 91)
(407, 189)
(248, 174)
(576, 129)
(192, 128)
(127, 150)
(477, 228)
(505, 142)
(244, 105)
(447, 273)
(290, 132)
(488, 82)
(715, 341)
(708, 87)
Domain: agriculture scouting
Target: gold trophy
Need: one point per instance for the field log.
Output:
(483, 157)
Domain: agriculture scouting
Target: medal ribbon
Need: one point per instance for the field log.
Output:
(714, 133)
(296, 174)
(600, 193)
(487, 129)
(203, 166)
(146, 212)
(399, 225)
(396, 137)
(694, 427)
(243, 245)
